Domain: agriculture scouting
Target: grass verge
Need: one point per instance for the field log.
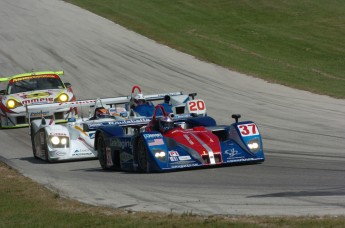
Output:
(24, 203)
(298, 43)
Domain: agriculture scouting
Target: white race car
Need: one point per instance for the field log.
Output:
(32, 89)
(75, 140)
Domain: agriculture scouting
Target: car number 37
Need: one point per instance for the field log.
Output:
(248, 129)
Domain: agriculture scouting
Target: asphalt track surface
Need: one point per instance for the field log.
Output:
(303, 133)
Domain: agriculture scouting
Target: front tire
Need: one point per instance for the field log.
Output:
(142, 155)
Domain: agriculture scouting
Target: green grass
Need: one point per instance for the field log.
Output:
(24, 203)
(298, 43)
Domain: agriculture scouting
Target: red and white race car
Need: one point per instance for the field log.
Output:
(32, 88)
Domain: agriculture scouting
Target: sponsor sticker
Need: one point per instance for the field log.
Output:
(92, 135)
(174, 159)
(38, 100)
(36, 114)
(121, 143)
(57, 134)
(60, 154)
(232, 152)
(184, 158)
(156, 142)
(152, 136)
(173, 153)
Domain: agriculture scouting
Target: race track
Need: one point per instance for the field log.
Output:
(303, 133)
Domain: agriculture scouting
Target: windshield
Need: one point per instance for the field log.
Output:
(40, 82)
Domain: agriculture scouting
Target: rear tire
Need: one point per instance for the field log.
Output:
(142, 155)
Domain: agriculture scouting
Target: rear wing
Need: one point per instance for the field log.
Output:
(160, 96)
(49, 109)
(6, 79)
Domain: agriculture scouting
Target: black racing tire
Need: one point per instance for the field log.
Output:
(142, 155)
(33, 144)
(101, 150)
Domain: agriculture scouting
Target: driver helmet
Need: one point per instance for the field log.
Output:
(102, 113)
(139, 99)
(165, 123)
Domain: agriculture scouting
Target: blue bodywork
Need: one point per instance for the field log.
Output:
(181, 148)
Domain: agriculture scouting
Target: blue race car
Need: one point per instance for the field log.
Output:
(164, 143)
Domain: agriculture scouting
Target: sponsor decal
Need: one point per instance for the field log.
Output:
(156, 142)
(188, 139)
(82, 152)
(184, 158)
(121, 143)
(152, 136)
(184, 162)
(232, 152)
(174, 159)
(175, 166)
(92, 135)
(78, 102)
(60, 154)
(173, 153)
(120, 122)
(57, 134)
(125, 157)
(36, 114)
(38, 100)
(244, 160)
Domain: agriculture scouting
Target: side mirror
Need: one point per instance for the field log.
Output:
(2, 92)
(68, 85)
(236, 117)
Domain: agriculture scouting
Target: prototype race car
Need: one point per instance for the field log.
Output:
(177, 142)
(32, 89)
(75, 140)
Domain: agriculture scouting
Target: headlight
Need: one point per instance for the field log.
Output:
(11, 104)
(59, 141)
(62, 98)
(55, 140)
(63, 141)
(160, 154)
(253, 145)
